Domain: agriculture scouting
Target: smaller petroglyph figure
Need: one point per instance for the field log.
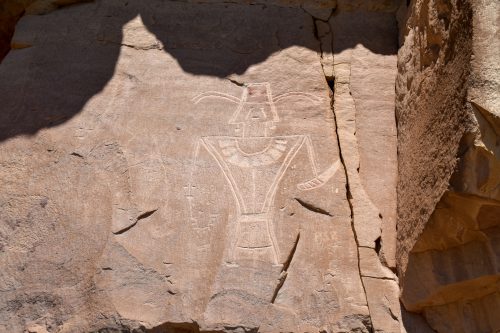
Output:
(253, 162)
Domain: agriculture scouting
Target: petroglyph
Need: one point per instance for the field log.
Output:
(255, 171)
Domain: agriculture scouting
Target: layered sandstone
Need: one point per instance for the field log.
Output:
(449, 171)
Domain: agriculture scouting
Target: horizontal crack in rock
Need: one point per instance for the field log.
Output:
(312, 208)
(140, 217)
(239, 84)
(378, 277)
(76, 154)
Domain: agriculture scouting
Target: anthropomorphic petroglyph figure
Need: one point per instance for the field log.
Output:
(253, 162)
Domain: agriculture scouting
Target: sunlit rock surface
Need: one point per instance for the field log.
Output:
(249, 166)
(449, 170)
(213, 167)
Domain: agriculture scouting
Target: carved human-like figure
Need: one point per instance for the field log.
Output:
(253, 162)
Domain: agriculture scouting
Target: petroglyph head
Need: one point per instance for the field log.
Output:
(256, 107)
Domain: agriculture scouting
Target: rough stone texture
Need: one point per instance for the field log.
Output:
(238, 174)
(449, 171)
(12, 10)
(431, 110)
(365, 128)
(214, 166)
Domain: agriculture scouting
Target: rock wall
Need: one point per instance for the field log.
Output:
(233, 175)
(448, 192)
(207, 166)
(10, 12)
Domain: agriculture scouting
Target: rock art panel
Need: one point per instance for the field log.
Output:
(254, 174)
(200, 177)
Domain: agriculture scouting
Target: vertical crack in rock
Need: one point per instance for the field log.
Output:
(330, 80)
(284, 270)
(393, 316)
(316, 35)
(331, 84)
(140, 217)
(378, 246)
(320, 34)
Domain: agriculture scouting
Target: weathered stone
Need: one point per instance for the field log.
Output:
(448, 123)
(214, 166)
(196, 176)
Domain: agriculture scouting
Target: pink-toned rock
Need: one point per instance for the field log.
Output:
(162, 176)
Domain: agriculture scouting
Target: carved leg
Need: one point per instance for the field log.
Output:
(275, 249)
(234, 242)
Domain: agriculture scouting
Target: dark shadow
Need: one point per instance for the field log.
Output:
(74, 51)
(48, 83)
(415, 322)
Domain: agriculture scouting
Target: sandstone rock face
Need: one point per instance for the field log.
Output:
(10, 12)
(205, 166)
(449, 171)
(174, 167)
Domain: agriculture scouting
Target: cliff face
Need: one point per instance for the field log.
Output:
(448, 192)
(194, 166)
